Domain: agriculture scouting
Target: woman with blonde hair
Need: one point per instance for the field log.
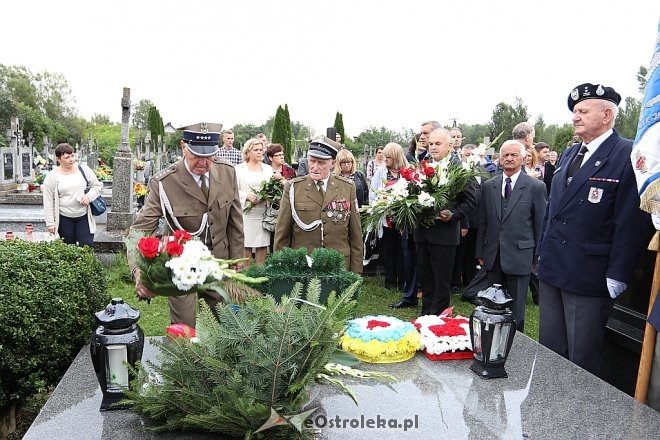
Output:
(250, 174)
(399, 256)
(532, 167)
(345, 166)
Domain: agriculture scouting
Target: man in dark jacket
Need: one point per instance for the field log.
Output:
(591, 238)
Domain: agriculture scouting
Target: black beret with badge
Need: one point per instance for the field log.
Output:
(592, 91)
(322, 147)
(203, 138)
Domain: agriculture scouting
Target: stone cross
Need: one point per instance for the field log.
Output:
(122, 212)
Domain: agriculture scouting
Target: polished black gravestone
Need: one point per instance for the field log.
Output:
(545, 397)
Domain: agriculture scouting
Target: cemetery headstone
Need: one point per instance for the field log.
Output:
(122, 213)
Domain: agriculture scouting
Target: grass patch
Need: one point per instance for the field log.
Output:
(374, 300)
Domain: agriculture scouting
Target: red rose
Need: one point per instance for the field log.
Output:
(429, 171)
(406, 173)
(174, 248)
(148, 246)
(181, 236)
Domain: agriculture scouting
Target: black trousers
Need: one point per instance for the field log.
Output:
(465, 266)
(434, 267)
(392, 257)
(75, 231)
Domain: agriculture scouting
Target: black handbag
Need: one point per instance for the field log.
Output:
(97, 205)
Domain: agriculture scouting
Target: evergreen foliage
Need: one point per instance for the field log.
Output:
(248, 361)
(291, 265)
(288, 146)
(280, 131)
(49, 293)
(155, 124)
(339, 126)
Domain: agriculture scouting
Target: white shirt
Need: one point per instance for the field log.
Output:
(593, 145)
(325, 183)
(513, 178)
(197, 178)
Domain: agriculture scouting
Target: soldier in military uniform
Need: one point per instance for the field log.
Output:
(199, 193)
(320, 209)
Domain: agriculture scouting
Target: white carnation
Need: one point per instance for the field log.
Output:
(425, 199)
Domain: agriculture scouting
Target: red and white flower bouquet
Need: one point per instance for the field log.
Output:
(418, 196)
(178, 265)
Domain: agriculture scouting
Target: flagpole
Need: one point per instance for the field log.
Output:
(648, 346)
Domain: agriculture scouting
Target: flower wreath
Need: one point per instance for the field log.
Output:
(445, 337)
(381, 339)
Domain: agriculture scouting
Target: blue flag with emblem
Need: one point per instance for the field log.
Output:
(646, 149)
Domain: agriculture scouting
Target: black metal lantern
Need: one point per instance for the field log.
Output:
(492, 329)
(117, 340)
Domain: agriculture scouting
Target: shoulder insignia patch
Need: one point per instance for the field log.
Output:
(164, 173)
(221, 161)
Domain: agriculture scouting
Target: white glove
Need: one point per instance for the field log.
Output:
(656, 221)
(615, 287)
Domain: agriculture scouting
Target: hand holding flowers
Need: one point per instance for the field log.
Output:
(178, 265)
(422, 194)
(270, 190)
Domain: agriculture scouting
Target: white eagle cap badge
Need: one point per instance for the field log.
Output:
(600, 91)
(575, 94)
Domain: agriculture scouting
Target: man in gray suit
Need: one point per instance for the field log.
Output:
(512, 209)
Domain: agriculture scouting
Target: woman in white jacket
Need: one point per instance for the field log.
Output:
(66, 205)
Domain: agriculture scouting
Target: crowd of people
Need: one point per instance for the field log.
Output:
(567, 228)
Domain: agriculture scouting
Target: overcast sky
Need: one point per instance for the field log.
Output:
(391, 63)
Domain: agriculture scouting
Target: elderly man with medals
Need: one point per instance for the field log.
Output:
(199, 193)
(320, 209)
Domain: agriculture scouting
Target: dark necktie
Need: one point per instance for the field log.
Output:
(204, 187)
(507, 188)
(320, 186)
(575, 165)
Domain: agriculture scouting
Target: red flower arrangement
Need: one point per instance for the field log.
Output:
(178, 265)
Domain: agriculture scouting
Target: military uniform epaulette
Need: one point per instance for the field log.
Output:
(221, 161)
(345, 179)
(297, 179)
(164, 173)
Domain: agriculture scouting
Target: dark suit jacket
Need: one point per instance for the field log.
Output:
(547, 177)
(513, 233)
(593, 227)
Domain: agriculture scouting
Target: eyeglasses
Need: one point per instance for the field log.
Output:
(346, 162)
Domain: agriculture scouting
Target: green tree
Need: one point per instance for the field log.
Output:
(563, 138)
(280, 130)
(140, 114)
(155, 124)
(8, 110)
(475, 133)
(505, 117)
(374, 136)
(628, 117)
(288, 146)
(243, 132)
(339, 126)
